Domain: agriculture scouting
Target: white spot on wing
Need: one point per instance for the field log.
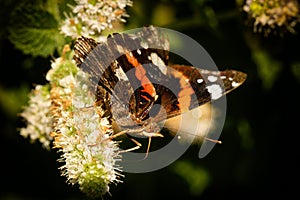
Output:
(235, 84)
(200, 80)
(145, 45)
(139, 52)
(212, 78)
(120, 49)
(121, 75)
(156, 60)
(215, 90)
(223, 77)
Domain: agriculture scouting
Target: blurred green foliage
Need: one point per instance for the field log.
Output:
(12, 99)
(34, 28)
(268, 68)
(257, 156)
(195, 176)
(296, 70)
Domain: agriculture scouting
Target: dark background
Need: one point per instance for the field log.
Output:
(260, 138)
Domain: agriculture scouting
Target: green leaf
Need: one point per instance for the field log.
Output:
(65, 6)
(52, 7)
(58, 8)
(35, 31)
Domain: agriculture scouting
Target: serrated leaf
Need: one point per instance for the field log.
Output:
(35, 31)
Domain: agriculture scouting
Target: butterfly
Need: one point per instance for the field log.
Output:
(135, 86)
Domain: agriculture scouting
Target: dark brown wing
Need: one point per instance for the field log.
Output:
(116, 68)
(188, 87)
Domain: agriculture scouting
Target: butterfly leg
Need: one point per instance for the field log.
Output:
(148, 148)
(138, 145)
(109, 138)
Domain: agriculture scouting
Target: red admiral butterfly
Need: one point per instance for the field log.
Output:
(131, 76)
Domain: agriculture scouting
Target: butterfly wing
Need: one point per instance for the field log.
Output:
(130, 74)
(117, 73)
(188, 87)
(207, 85)
(133, 59)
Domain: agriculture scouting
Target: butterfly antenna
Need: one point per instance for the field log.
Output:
(196, 135)
(212, 140)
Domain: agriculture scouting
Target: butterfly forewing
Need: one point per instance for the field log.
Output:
(189, 87)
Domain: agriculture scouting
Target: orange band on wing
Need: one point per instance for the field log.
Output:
(140, 74)
(184, 96)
